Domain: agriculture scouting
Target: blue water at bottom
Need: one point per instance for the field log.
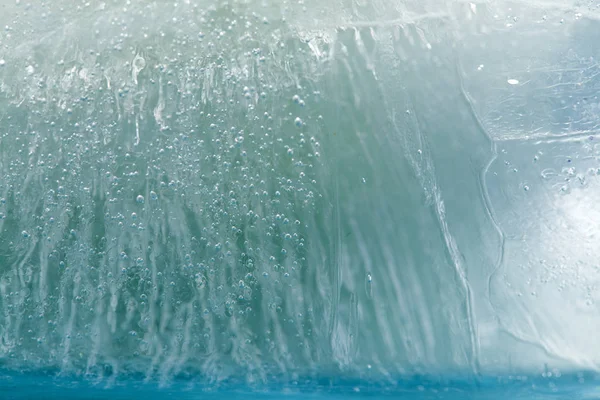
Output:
(14, 386)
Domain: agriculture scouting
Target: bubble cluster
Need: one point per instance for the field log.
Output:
(156, 172)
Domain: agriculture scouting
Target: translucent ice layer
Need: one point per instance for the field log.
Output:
(249, 189)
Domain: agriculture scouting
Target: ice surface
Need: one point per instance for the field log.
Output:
(259, 189)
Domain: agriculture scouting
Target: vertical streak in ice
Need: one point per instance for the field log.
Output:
(18, 270)
(454, 253)
(337, 260)
(3, 196)
(160, 106)
(450, 243)
(483, 187)
(137, 129)
(460, 270)
(69, 330)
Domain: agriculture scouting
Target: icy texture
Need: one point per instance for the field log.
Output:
(255, 188)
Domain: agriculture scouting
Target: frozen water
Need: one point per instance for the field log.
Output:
(249, 191)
